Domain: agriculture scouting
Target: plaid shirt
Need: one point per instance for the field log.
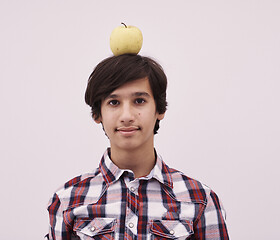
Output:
(111, 204)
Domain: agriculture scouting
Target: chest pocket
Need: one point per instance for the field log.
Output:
(98, 228)
(171, 229)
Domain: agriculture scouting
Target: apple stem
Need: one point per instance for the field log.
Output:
(124, 24)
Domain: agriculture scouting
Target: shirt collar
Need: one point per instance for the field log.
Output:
(112, 173)
(162, 172)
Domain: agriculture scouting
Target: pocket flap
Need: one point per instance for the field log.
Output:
(96, 226)
(172, 228)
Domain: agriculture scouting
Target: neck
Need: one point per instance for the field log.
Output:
(140, 161)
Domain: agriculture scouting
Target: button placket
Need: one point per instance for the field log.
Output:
(133, 186)
(131, 223)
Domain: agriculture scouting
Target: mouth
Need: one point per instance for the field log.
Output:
(127, 131)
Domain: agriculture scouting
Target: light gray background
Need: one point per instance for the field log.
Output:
(222, 123)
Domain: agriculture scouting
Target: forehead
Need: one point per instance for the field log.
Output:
(141, 85)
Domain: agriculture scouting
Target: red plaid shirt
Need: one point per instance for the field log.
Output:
(111, 204)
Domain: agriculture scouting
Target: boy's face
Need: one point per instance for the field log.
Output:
(129, 115)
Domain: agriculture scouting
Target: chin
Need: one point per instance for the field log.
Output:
(127, 146)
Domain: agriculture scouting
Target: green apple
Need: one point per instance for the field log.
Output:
(126, 39)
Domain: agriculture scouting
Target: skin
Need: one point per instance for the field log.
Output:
(128, 116)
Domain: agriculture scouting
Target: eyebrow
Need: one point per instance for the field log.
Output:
(135, 94)
(139, 94)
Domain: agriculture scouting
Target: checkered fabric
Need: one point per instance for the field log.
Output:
(111, 204)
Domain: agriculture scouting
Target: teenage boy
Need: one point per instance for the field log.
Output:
(133, 194)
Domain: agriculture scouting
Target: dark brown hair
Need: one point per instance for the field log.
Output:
(113, 72)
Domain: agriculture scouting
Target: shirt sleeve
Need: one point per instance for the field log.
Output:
(58, 229)
(211, 225)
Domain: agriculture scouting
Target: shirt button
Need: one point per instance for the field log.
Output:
(132, 189)
(131, 225)
(172, 232)
(92, 229)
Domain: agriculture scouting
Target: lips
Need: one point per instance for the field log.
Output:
(127, 131)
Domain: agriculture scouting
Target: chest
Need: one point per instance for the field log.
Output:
(134, 210)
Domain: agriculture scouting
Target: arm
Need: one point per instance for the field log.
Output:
(58, 230)
(210, 224)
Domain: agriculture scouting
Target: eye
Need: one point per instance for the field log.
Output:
(139, 101)
(113, 102)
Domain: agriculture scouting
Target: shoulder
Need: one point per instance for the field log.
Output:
(78, 180)
(80, 188)
(187, 189)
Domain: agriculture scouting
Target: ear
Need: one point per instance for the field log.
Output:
(160, 116)
(97, 120)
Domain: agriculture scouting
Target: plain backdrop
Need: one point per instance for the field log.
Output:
(221, 126)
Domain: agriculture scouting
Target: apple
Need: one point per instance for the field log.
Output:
(126, 39)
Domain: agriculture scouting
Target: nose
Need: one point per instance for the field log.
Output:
(127, 114)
